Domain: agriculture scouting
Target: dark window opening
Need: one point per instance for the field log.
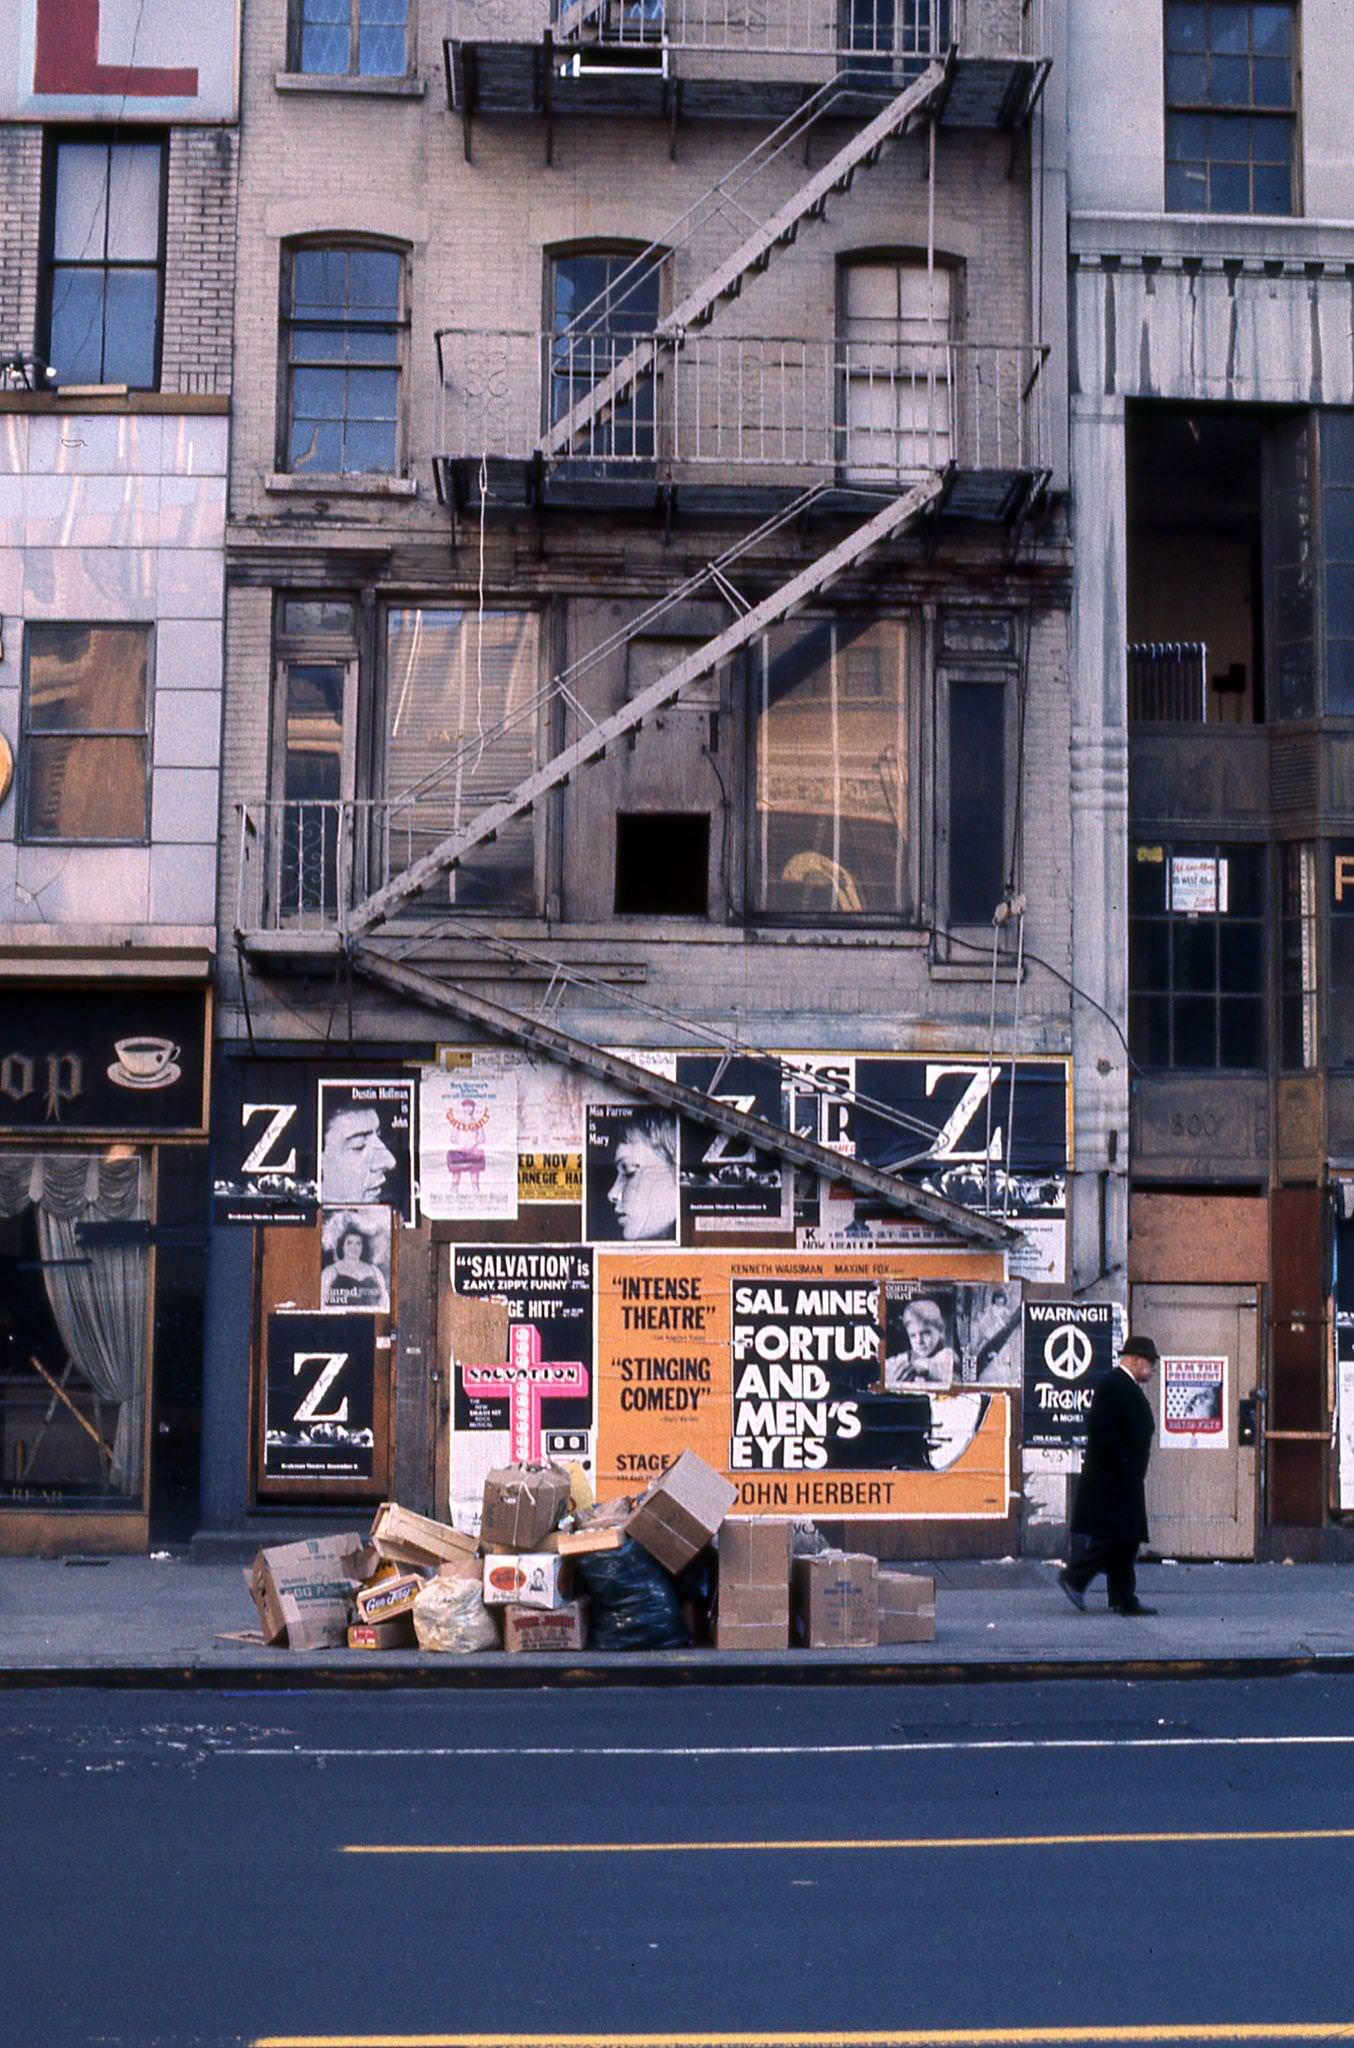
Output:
(1195, 611)
(977, 800)
(662, 864)
(1197, 956)
(1230, 108)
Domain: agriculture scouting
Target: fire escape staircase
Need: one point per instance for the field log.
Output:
(725, 282)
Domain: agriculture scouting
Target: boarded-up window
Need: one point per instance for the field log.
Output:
(461, 722)
(831, 823)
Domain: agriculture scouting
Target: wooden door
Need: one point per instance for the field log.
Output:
(1202, 1486)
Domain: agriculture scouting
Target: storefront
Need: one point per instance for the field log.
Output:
(103, 1120)
(446, 1262)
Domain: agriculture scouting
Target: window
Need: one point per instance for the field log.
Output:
(105, 264)
(662, 863)
(892, 39)
(351, 38)
(461, 723)
(343, 320)
(317, 650)
(86, 724)
(1230, 118)
(895, 372)
(601, 301)
(977, 800)
(1197, 956)
(830, 770)
(1337, 536)
(1297, 957)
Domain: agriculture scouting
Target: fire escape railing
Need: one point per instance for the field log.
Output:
(897, 31)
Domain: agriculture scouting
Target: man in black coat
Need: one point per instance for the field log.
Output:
(1109, 1514)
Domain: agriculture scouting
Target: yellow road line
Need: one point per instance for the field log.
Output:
(899, 1842)
(930, 2037)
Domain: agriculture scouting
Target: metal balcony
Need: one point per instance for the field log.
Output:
(736, 59)
(724, 422)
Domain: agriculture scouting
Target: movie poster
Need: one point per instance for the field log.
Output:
(366, 1136)
(467, 1156)
(631, 1189)
(726, 1183)
(319, 1418)
(951, 1333)
(263, 1142)
(1069, 1350)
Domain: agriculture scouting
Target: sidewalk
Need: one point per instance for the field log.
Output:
(158, 1622)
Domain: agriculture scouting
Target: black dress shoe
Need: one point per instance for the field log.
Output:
(1135, 1607)
(1073, 1593)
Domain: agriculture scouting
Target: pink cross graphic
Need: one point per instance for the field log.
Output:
(527, 1380)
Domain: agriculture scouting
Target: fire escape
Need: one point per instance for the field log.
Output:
(840, 445)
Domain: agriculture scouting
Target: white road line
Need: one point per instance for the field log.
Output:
(1054, 1742)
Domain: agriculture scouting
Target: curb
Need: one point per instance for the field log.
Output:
(519, 1674)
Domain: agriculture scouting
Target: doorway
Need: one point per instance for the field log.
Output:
(1203, 1483)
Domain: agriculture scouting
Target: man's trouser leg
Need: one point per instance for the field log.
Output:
(1090, 1555)
(1119, 1574)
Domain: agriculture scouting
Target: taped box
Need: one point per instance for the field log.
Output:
(304, 1591)
(681, 1511)
(395, 1634)
(407, 1538)
(522, 1504)
(389, 1597)
(563, 1628)
(530, 1579)
(836, 1601)
(907, 1608)
(753, 1611)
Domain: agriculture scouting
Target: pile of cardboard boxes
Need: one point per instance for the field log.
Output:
(377, 1592)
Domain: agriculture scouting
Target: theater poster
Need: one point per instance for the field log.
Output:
(769, 1365)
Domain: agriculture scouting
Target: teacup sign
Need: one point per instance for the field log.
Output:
(145, 1063)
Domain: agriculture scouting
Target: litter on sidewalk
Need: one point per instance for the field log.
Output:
(552, 1569)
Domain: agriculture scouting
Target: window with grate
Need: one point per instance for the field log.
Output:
(1197, 956)
(1297, 958)
(350, 38)
(343, 321)
(84, 745)
(105, 268)
(602, 301)
(1231, 124)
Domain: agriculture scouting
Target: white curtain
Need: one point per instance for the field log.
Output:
(97, 1292)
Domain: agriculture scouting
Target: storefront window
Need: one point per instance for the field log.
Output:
(73, 1327)
(830, 822)
(461, 718)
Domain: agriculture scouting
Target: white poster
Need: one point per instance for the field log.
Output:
(1194, 1404)
(467, 1145)
(1198, 885)
(1346, 1399)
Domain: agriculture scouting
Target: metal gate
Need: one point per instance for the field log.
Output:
(1203, 1484)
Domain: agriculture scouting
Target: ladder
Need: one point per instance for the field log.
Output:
(884, 525)
(751, 257)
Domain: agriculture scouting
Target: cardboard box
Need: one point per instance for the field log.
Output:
(522, 1503)
(681, 1511)
(396, 1634)
(387, 1597)
(524, 1579)
(836, 1601)
(304, 1591)
(752, 1617)
(563, 1628)
(755, 1552)
(907, 1608)
(407, 1538)
(462, 1568)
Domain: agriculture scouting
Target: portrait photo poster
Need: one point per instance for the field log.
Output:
(366, 1144)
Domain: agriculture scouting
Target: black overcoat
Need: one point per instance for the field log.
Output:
(1111, 1500)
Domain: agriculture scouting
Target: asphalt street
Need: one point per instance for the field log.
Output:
(1109, 1861)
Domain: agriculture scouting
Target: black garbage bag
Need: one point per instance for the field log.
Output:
(696, 1583)
(634, 1601)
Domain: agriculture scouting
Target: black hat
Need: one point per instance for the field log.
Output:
(1139, 1347)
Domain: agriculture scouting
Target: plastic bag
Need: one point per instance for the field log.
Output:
(634, 1601)
(450, 1614)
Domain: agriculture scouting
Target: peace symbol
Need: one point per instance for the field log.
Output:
(1067, 1351)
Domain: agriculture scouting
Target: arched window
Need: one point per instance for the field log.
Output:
(602, 300)
(343, 321)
